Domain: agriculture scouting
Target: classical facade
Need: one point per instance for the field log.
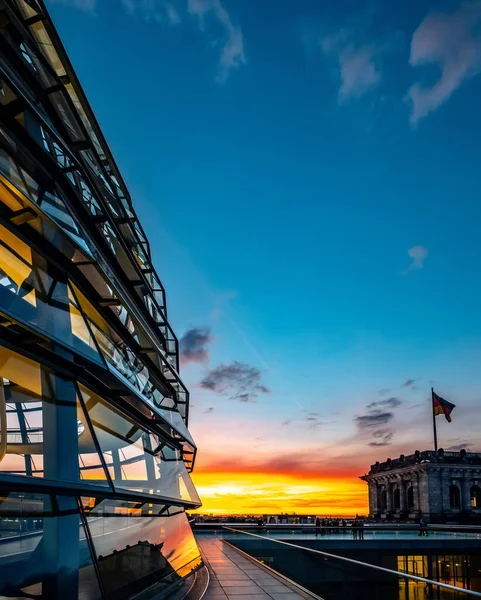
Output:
(444, 486)
(95, 450)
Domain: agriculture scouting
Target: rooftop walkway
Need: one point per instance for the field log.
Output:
(235, 576)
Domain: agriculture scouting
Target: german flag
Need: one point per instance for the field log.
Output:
(442, 407)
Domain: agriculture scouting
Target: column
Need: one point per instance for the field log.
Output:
(415, 485)
(61, 541)
(375, 497)
(117, 466)
(402, 489)
(389, 496)
(466, 492)
(61, 533)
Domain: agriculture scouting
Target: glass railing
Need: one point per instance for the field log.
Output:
(356, 573)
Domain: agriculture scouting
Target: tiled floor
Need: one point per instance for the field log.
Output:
(234, 577)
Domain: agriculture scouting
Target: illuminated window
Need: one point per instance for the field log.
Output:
(475, 496)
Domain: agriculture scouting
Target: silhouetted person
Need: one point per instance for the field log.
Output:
(361, 529)
(423, 528)
(318, 525)
(354, 529)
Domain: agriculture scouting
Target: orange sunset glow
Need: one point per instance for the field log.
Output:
(262, 493)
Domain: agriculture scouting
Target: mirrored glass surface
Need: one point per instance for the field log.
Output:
(137, 552)
(44, 551)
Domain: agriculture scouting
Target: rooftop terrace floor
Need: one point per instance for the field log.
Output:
(233, 576)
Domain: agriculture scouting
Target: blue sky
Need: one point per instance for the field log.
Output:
(308, 175)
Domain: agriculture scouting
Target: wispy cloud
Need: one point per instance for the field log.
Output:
(160, 11)
(307, 462)
(314, 421)
(232, 55)
(388, 403)
(453, 43)
(174, 12)
(85, 5)
(373, 420)
(418, 255)
(409, 383)
(383, 437)
(194, 345)
(460, 444)
(209, 410)
(242, 382)
(358, 65)
(378, 414)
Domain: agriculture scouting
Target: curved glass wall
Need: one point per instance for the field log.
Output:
(95, 450)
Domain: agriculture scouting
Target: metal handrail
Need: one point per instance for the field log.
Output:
(362, 564)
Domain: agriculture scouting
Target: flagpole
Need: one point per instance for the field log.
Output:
(434, 422)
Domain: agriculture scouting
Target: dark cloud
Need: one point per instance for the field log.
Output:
(373, 420)
(381, 432)
(288, 422)
(238, 380)
(244, 398)
(194, 344)
(383, 437)
(378, 413)
(408, 383)
(209, 410)
(388, 403)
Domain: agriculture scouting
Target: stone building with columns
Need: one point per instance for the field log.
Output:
(438, 486)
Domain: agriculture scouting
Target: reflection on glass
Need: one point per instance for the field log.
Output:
(138, 460)
(44, 549)
(139, 552)
(14, 177)
(27, 405)
(31, 294)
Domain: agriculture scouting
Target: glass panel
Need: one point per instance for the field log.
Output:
(55, 208)
(142, 552)
(17, 176)
(122, 359)
(27, 393)
(27, 8)
(176, 478)
(45, 44)
(9, 198)
(6, 94)
(138, 461)
(31, 295)
(174, 418)
(107, 507)
(44, 547)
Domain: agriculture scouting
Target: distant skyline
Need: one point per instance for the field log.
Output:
(307, 174)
